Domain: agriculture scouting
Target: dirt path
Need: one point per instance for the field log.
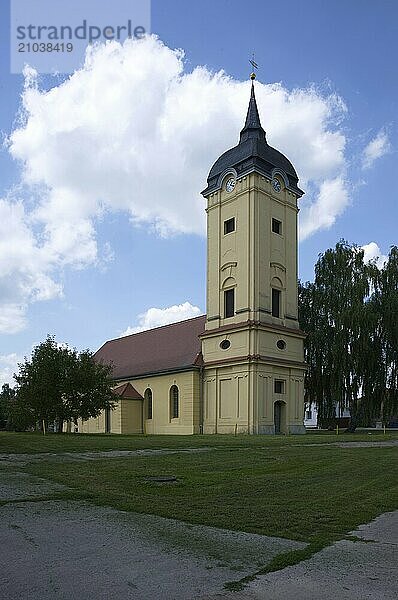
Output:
(364, 569)
(24, 459)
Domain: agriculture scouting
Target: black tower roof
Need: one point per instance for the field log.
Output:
(252, 126)
(252, 154)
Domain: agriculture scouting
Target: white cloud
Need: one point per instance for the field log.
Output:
(330, 202)
(8, 366)
(156, 317)
(12, 318)
(377, 147)
(371, 252)
(24, 267)
(132, 132)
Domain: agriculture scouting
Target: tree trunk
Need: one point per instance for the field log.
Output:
(353, 424)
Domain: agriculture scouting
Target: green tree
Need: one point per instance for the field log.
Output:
(313, 321)
(14, 415)
(58, 384)
(384, 307)
(339, 345)
(6, 396)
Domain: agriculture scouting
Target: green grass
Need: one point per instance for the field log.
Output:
(31, 443)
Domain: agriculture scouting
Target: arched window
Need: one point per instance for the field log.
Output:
(108, 425)
(148, 403)
(174, 402)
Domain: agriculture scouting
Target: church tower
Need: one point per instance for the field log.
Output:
(252, 345)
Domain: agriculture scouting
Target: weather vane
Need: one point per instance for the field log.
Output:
(255, 66)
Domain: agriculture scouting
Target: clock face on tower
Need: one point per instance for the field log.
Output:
(276, 184)
(230, 185)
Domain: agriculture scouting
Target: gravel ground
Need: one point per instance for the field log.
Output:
(18, 486)
(367, 444)
(370, 444)
(54, 550)
(23, 459)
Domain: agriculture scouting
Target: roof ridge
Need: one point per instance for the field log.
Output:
(156, 328)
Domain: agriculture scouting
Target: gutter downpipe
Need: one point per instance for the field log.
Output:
(201, 401)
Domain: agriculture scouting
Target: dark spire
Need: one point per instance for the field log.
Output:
(252, 128)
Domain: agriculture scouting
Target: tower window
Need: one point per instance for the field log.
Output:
(277, 226)
(229, 303)
(279, 386)
(229, 225)
(276, 303)
(174, 402)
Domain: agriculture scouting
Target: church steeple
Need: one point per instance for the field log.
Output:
(252, 346)
(252, 153)
(252, 128)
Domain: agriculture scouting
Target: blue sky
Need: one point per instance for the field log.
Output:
(336, 66)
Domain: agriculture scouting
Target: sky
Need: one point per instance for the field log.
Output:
(102, 225)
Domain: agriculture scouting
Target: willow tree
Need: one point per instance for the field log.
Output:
(317, 381)
(334, 314)
(384, 307)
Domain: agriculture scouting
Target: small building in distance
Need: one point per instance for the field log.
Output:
(239, 368)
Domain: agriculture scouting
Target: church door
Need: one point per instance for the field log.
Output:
(279, 417)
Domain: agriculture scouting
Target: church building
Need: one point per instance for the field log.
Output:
(239, 368)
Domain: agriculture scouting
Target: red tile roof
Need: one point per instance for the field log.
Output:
(171, 347)
(126, 390)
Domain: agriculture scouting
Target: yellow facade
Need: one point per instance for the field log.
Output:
(131, 416)
(241, 381)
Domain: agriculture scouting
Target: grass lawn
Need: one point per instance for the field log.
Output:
(31, 443)
(278, 486)
(303, 493)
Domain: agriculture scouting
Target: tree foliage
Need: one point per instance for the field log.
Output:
(58, 384)
(6, 398)
(14, 415)
(384, 305)
(350, 314)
